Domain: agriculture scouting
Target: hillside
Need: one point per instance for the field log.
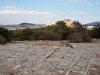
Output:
(95, 23)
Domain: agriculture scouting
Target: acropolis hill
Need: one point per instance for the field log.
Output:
(68, 22)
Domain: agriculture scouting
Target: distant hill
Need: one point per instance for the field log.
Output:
(95, 23)
(26, 24)
(22, 26)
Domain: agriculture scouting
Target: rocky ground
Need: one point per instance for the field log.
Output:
(49, 58)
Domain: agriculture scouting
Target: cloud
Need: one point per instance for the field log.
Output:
(80, 13)
(18, 11)
(14, 15)
(80, 1)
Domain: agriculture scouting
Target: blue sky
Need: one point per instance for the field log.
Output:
(44, 11)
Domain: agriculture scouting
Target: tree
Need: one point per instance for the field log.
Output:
(77, 26)
(61, 28)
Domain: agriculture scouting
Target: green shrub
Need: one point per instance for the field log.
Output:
(80, 37)
(47, 35)
(26, 34)
(95, 32)
(61, 28)
(5, 33)
(2, 40)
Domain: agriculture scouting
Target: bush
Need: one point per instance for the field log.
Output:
(47, 35)
(2, 40)
(95, 32)
(61, 28)
(16, 35)
(5, 33)
(26, 34)
(80, 37)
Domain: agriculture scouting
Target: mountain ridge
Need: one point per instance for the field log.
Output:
(95, 23)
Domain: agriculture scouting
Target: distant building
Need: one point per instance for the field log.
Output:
(68, 22)
(90, 27)
(50, 23)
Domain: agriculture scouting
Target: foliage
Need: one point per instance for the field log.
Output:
(2, 40)
(5, 33)
(59, 31)
(80, 34)
(95, 32)
(26, 34)
(77, 26)
(16, 35)
(48, 35)
(61, 28)
(80, 37)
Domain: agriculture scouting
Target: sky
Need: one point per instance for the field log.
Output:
(44, 11)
